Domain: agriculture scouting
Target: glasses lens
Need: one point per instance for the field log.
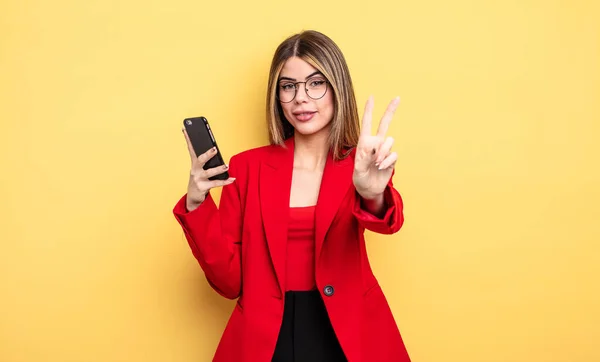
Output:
(316, 88)
(286, 92)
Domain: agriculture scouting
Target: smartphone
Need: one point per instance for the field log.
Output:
(202, 140)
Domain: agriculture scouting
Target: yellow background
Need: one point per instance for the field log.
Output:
(497, 135)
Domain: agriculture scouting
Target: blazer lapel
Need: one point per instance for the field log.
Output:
(275, 186)
(336, 181)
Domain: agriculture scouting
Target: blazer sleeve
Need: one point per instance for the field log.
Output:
(214, 236)
(393, 219)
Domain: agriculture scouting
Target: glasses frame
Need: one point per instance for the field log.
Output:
(296, 87)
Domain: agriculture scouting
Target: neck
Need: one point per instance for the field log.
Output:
(310, 152)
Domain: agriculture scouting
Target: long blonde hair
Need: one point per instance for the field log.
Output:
(322, 53)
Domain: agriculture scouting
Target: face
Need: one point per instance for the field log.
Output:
(308, 116)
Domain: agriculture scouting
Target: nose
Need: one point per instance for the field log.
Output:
(301, 95)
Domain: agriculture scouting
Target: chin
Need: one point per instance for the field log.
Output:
(307, 129)
(311, 127)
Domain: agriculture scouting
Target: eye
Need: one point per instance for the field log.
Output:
(287, 86)
(316, 82)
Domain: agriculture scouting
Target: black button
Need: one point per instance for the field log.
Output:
(328, 290)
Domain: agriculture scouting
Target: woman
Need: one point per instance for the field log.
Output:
(287, 239)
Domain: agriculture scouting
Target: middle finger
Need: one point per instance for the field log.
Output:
(215, 171)
(387, 117)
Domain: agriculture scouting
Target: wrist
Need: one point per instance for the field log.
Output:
(369, 195)
(192, 205)
(374, 204)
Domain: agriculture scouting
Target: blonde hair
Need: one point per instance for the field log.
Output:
(322, 53)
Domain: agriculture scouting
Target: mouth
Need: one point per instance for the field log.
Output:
(304, 116)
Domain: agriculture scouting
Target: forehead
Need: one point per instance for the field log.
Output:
(296, 68)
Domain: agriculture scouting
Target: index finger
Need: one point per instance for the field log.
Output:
(366, 122)
(387, 117)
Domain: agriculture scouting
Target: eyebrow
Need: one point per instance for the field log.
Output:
(293, 79)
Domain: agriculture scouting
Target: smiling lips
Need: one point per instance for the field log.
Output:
(304, 116)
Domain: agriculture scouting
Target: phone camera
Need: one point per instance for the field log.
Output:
(188, 122)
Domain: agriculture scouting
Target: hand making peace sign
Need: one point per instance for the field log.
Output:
(374, 162)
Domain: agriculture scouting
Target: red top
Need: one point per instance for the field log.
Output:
(300, 265)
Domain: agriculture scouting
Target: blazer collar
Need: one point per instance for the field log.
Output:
(275, 186)
(281, 156)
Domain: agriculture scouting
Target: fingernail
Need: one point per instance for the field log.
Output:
(226, 166)
(214, 149)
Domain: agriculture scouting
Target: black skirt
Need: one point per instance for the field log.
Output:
(306, 334)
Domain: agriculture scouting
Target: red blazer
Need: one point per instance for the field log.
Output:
(241, 247)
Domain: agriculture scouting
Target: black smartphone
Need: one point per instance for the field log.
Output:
(202, 140)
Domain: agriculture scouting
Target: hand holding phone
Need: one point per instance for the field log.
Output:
(208, 168)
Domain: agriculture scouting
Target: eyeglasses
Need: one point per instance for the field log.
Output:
(315, 89)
